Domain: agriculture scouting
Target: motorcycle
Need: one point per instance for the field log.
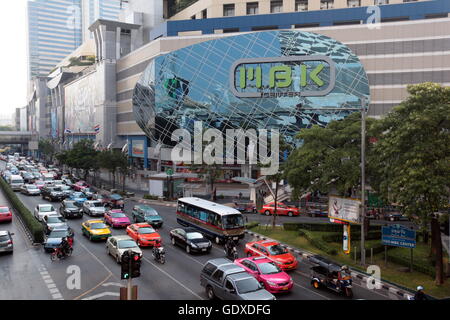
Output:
(231, 252)
(60, 254)
(159, 254)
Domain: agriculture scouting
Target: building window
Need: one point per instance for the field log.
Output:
(409, 0)
(326, 4)
(204, 14)
(353, 3)
(301, 5)
(252, 7)
(228, 10)
(276, 6)
(380, 2)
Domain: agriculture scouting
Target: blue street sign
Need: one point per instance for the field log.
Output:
(398, 236)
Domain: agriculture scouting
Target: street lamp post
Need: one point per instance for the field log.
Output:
(363, 166)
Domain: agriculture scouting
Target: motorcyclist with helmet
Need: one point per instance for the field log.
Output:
(230, 248)
(420, 295)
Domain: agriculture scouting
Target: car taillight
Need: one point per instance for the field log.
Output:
(10, 242)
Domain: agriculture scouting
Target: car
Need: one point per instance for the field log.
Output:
(143, 234)
(5, 214)
(6, 242)
(52, 193)
(54, 238)
(42, 210)
(273, 251)
(30, 190)
(222, 279)
(95, 230)
(53, 221)
(94, 208)
(88, 192)
(71, 209)
(190, 239)
(15, 182)
(39, 183)
(268, 273)
(282, 209)
(117, 245)
(28, 177)
(80, 185)
(67, 182)
(144, 213)
(245, 206)
(78, 197)
(115, 201)
(116, 218)
(66, 190)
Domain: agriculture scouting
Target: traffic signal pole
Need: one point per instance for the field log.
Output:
(363, 180)
(129, 286)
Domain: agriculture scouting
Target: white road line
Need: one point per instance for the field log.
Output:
(309, 290)
(178, 282)
(51, 286)
(103, 294)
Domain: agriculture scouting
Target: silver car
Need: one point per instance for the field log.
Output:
(94, 208)
(43, 210)
(6, 242)
(117, 245)
(30, 189)
(51, 222)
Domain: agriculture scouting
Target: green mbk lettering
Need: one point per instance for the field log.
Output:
(280, 76)
(314, 75)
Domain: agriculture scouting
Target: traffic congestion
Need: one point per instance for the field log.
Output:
(177, 244)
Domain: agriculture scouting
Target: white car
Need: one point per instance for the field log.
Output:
(94, 208)
(117, 245)
(43, 210)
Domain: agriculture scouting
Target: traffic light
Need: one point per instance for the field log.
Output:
(125, 264)
(135, 265)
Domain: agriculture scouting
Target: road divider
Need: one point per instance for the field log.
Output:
(34, 228)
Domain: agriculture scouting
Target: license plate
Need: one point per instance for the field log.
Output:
(235, 238)
(203, 249)
(285, 288)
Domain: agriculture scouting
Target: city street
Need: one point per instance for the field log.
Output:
(178, 279)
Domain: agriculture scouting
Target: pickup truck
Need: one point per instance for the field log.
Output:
(222, 279)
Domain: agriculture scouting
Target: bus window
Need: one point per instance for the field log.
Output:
(203, 215)
(232, 221)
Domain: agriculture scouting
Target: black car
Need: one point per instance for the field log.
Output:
(52, 193)
(190, 239)
(71, 209)
(55, 237)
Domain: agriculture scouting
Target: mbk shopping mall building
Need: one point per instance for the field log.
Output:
(266, 71)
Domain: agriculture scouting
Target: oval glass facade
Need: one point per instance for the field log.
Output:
(261, 80)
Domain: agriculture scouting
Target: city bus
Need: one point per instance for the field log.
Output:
(214, 220)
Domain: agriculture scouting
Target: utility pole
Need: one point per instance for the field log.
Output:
(363, 180)
(129, 286)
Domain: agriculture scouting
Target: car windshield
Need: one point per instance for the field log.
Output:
(276, 250)
(31, 187)
(55, 220)
(58, 234)
(194, 235)
(233, 221)
(146, 230)
(118, 215)
(71, 205)
(16, 181)
(78, 195)
(149, 213)
(57, 189)
(126, 244)
(3, 210)
(116, 197)
(97, 204)
(269, 268)
(64, 188)
(4, 238)
(46, 209)
(87, 190)
(98, 226)
(247, 285)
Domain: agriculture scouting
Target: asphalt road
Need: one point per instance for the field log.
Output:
(30, 274)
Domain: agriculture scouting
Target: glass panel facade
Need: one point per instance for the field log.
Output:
(193, 84)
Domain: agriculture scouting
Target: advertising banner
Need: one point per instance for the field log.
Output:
(398, 236)
(137, 148)
(344, 209)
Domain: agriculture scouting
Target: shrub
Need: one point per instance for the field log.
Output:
(251, 225)
(150, 197)
(317, 242)
(34, 227)
(420, 266)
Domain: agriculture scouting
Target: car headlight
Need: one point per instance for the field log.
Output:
(271, 283)
(193, 245)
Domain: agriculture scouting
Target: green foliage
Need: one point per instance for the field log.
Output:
(150, 197)
(404, 259)
(411, 158)
(251, 225)
(329, 157)
(47, 148)
(323, 227)
(35, 228)
(113, 161)
(318, 242)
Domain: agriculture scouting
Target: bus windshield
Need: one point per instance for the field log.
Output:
(232, 221)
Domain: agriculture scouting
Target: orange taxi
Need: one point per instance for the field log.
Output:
(143, 234)
(273, 251)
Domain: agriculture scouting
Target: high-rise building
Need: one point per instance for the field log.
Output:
(99, 9)
(54, 31)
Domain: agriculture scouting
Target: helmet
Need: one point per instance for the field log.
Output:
(419, 288)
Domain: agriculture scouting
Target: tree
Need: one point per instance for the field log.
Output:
(83, 156)
(47, 148)
(329, 158)
(113, 161)
(412, 158)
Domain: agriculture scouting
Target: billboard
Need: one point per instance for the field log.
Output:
(137, 148)
(344, 209)
(81, 97)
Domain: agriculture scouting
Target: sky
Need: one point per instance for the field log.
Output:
(13, 56)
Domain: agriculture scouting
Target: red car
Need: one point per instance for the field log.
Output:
(80, 185)
(282, 210)
(143, 234)
(117, 219)
(272, 250)
(268, 273)
(5, 214)
(39, 184)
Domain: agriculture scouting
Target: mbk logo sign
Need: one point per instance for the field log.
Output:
(310, 70)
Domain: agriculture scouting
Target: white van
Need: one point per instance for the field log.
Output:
(16, 182)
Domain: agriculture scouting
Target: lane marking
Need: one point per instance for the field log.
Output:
(104, 294)
(178, 282)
